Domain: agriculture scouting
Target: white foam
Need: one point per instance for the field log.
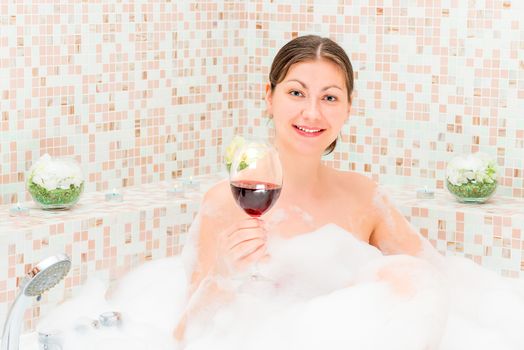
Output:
(328, 291)
(150, 300)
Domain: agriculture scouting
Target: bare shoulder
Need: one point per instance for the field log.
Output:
(217, 194)
(218, 201)
(389, 230)
(216, 214)
(356, 185)
(218, 209)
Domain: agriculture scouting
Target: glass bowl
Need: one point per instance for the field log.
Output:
(55, 183)
(472, 178)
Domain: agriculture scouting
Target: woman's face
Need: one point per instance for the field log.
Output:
(310, 106)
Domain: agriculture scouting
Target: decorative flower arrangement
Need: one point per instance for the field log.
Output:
(249, 151)
(235, 145)
(472, 178)
(55, 183)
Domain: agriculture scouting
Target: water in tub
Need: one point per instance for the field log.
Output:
(326, 290)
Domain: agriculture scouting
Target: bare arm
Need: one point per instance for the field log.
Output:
(227, 243)
(393, 234)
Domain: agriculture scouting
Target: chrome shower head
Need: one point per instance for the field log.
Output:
(46, 274)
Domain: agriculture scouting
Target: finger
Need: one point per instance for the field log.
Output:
(245, 235)
(264, 256)
(257, 255)
(230, 240)
(244, 249)
(249, 223)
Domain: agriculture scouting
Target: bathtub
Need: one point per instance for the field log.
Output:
(457, 303)
(109, 239)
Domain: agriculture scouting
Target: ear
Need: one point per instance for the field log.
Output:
(269, 99)
(348, 112)
(350, 105)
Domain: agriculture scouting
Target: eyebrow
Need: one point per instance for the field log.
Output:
(305, 86)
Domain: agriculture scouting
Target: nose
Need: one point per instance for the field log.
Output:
(312, 109)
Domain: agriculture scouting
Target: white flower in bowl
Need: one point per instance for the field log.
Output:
(52, 174)
(476, 167)
(55, 183)
(236, 143)
(472, 178)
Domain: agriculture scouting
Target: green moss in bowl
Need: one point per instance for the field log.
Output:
(55, 199)
(472, 192)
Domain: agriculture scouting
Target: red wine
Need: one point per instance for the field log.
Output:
(255, 197)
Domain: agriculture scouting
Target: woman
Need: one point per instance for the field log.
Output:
(309, 99)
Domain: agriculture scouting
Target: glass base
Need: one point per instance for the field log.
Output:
(472, 192)
(56, 206)
(257, 285)
(472, 200)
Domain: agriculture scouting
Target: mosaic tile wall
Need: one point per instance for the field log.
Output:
(137, 91)
(491, 234)
(144, 91)
(434, 78)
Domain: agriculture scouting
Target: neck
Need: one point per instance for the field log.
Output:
(301, 173)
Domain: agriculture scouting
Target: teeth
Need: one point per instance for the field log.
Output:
(311, 131)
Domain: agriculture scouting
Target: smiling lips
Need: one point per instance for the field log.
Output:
(307, 131)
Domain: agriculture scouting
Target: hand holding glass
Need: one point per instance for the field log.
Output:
(256, 178)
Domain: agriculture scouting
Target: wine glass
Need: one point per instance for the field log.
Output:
(255, 177)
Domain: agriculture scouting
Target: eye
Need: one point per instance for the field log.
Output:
(296, 93)
(330, 98)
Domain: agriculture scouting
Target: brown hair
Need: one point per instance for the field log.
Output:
(309, 48)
